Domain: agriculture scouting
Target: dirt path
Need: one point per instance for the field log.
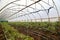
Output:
(2, 36)
(37, 34)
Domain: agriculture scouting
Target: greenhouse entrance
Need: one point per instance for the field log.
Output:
(29, 20)
(3, 20)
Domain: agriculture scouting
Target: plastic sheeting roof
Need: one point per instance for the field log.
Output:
(30, 10)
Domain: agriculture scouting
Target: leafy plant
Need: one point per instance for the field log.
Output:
(12, 34)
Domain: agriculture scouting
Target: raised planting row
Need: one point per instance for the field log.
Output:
(38, 32)
(52, 26)
(2, 36)
(13, 34)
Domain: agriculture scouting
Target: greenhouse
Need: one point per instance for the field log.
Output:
(29, 20)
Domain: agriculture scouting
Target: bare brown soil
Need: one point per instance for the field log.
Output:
(38, 34)
(2, 36)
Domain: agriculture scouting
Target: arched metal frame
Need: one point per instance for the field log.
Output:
(26, 7)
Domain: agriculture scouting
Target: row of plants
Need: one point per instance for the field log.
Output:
(13, 34)
(51, 26)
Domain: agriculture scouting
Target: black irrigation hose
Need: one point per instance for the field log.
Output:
(12, 9)
(29, 7)
(32, 13)
(25, 8)
(19, 5)
(45, 9)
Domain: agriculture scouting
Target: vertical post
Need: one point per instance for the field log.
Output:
(56, 10)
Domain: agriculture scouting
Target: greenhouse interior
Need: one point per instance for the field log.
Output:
(29, 20)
